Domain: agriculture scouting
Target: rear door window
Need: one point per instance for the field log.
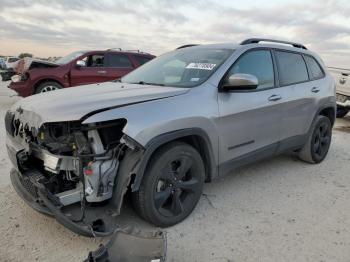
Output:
(315, 69)
(118, 61)
(291, 68)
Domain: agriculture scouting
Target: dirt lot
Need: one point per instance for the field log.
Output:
(277, 210)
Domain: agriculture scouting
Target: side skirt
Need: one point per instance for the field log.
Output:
(289, 144)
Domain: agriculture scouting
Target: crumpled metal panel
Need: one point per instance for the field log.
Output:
(28, 63)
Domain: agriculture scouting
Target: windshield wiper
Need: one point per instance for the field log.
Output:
(146, 83)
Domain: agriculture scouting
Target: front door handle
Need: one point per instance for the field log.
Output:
(101, 72)
(315, 90)
(274, 98)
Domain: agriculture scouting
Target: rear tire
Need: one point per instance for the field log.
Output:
(342, 111)
(318, 143)
(47, 87)
(171, 186)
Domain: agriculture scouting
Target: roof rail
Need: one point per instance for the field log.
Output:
(184, 46)
(257, 40)
(132, 51)
(136, 51)
(115, 48)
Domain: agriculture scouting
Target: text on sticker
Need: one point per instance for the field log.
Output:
(203, 66)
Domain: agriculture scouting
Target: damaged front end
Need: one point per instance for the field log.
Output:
(20, 72)
(74, 172)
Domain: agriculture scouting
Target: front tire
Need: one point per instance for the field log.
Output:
(47, 87)
(172, 185)
(316, 148)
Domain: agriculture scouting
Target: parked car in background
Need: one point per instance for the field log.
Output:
(79, 68)
(11, 62)
(342, 80)
(161, 131)
(5, 73)
(2, 63)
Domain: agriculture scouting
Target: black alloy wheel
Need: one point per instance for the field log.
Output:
(172, 185)
(176, 186)
(321, 140)
(317, 145)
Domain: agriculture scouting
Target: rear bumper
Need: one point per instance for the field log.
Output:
(21, 88)
(39, 199)
(346, 104)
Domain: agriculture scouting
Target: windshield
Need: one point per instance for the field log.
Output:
(186, 67)
(66, 59)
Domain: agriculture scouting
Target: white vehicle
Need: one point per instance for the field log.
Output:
(342, 80)
(11, 62)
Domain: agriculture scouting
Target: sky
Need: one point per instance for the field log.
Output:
(56, 28)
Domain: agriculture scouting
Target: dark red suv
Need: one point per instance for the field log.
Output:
(78, 68)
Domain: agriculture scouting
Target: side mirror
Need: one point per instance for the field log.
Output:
(80, 63)
(240, 82)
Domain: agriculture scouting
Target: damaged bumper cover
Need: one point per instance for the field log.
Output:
(127, 244)
(98, 220)
(146, 247)
(58, 184)
(39, 199)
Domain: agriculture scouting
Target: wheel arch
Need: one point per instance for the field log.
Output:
(41, 81)
(195, 137)
(330, 112)
(327, 110)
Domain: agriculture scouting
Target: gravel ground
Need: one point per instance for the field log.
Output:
(277, 210)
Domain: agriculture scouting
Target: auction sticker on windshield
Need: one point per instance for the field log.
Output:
(203, 66)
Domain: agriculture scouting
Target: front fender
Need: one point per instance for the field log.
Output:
(160, 140)
(54, 74)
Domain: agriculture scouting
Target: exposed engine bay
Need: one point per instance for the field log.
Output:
(75, 160)
(73, 167)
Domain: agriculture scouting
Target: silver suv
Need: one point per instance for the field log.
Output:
(160, 132)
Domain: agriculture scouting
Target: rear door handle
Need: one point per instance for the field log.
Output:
(101, 72)
(315, 90)
(274, 98)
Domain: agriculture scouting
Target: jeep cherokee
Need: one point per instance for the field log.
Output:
(160, 132)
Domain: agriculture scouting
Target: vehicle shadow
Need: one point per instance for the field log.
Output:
(216, 193)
